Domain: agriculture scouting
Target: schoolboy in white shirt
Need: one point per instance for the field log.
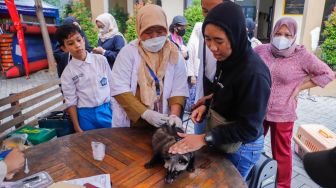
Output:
(85, 82)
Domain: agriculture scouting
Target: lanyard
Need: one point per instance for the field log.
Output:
(156, 80)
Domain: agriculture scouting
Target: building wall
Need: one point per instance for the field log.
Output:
(98, 7)
(120, 3)
(312, 18)
(172, 8)
(130, 7)
(265, 5)
(262, 22)
(278, 13)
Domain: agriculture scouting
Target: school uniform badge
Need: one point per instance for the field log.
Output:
(103, 81)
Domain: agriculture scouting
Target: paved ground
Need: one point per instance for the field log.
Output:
(14, 85)
(317, 110)
(310, 110)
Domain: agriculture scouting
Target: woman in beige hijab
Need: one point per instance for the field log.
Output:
(149, 82)
(110, 39)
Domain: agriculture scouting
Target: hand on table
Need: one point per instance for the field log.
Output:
(14, 160)
(189, 143)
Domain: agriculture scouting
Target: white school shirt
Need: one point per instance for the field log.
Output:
(125, 79)
(87, 83)
(210, 68)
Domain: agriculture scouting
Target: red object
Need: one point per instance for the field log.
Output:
(281, 136)
(16, 20)
(89, 185)
(6, 48)
(4, 36)
(6, 40)
(33, 67)
(32, 29)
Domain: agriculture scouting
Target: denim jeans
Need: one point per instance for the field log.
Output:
(199, 128)
(247, 155)
(191, 99)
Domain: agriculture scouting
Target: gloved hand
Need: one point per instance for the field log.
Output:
(174, 120)
(155, 118)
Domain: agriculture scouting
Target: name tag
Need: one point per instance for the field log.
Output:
(75, 78)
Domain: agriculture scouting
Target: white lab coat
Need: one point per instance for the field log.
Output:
(193, 46)
(210, 68)
(125, 79)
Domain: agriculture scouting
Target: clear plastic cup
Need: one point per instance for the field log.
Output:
(98, 150)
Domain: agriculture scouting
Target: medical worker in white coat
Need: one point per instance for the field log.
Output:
(149, 82)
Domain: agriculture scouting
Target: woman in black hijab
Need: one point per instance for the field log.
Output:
(241, 90)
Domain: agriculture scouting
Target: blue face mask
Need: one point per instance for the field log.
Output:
(154, 44)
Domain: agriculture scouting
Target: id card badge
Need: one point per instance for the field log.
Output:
(158, 107)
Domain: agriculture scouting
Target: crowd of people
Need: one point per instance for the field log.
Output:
(223, 73)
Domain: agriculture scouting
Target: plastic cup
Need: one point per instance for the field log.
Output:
(98, 150)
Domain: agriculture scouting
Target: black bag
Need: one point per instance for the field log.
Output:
(263, 174)
(58, 120)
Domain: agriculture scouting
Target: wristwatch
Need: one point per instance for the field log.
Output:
(208, 139)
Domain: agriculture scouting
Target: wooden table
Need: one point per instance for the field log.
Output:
(127, 150)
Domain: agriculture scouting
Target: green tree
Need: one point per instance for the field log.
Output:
(196, 2)
(83, 15)
(329, 45)
(121, 18)
(130, 33)
(193, 14)
(131, 29)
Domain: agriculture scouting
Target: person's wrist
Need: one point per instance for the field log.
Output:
(204, 143)
(208, 139)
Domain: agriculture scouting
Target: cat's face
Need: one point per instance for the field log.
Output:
(175, 164)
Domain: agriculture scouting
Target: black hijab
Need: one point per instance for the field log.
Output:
(229, 17)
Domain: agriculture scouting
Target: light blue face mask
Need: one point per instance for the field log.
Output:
(282, 42)
(154, 44)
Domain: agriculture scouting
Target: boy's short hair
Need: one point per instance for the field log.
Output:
(64, 31)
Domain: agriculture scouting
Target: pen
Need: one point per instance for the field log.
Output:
(31, 179)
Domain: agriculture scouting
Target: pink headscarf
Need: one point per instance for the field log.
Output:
(292, 27)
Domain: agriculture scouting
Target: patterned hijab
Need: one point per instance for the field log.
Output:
(292, 27)
(149, 16)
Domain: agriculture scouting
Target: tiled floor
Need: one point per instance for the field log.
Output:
(310, 110)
